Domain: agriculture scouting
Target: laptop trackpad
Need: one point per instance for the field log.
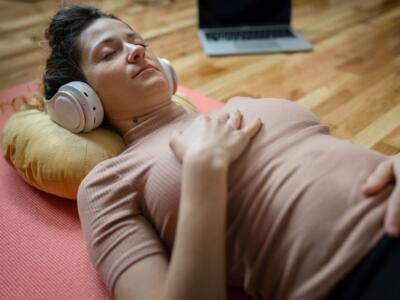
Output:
(256, 45)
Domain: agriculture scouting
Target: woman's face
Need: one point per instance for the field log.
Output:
(124, 73)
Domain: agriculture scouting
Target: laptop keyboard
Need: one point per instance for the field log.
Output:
(249, 35)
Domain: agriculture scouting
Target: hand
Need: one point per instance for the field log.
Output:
(387, 172)
(218, 135)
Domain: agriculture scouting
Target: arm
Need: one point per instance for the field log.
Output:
(206, 148)
(197, 266)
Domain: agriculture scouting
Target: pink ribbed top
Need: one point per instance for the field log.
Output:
(297, 221)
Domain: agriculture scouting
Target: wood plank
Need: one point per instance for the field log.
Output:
(378, 129)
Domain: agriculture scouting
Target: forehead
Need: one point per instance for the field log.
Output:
(100, 29)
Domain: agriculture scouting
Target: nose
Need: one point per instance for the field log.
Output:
(135, 53)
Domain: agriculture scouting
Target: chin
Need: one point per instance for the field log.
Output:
(158, 88)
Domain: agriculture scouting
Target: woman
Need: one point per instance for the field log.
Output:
(275, 209)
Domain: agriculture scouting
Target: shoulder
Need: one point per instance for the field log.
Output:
(109, 182)
(103, 173)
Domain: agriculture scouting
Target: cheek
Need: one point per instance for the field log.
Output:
(107, 75)
(107, 82)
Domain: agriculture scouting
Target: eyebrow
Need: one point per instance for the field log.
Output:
(110, 39)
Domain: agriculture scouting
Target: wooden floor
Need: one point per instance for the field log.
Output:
(351, 80)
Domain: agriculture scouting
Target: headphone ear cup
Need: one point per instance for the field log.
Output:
(66, 111)
(76, 107)
(170, 74)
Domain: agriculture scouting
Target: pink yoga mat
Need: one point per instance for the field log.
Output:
(42, 253)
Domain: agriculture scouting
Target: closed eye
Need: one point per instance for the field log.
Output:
(108, 55)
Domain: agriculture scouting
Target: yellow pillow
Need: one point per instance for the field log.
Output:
(53, 159)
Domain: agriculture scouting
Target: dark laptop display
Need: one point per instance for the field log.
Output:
(247, 26)
(237, 13)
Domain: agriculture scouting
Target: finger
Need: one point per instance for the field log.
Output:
(224, 118)
(175, 134)
(251, 129)
(203, 117)
(382, 175)
(235, 119)
(173, 137)
(392, 217)
(171, 144)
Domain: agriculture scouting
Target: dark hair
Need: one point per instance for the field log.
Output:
(63, 64)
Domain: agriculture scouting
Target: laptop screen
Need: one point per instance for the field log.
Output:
(236, 13)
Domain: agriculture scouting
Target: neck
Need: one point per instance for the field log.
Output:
(124, 125)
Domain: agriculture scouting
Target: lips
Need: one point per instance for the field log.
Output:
(143, 68)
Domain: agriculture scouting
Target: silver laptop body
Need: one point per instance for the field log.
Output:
(247, 26)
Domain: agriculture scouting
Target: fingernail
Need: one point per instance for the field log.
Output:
(365, 190)
(368, 183)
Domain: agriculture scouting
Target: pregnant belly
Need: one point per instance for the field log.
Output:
(298, 219)
(330, 225)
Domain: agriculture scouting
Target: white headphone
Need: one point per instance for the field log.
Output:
(77, 107)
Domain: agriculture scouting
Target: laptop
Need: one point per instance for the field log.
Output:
(247, 26)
